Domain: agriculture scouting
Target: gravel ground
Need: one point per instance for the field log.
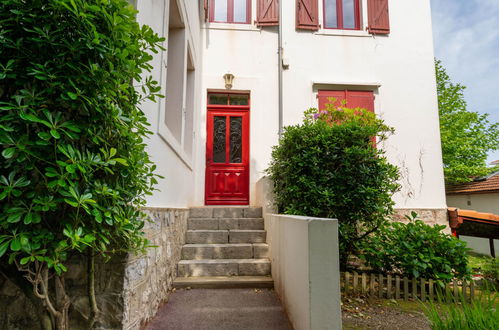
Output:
(361, 313)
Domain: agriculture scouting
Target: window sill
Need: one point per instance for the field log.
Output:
(174, 145)
(344, 33)
(231, 26)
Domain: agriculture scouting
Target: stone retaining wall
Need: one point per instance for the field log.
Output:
(129, 288)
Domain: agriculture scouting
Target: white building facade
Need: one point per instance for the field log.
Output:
(213, 135)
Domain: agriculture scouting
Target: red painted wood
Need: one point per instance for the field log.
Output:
(354, 99)
(230, 12)
(267, 13)
(307, 15)
(227, 183)
(378, 16)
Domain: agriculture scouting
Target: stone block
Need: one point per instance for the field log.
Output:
(252, 212)
(251, 224)
(232, 251)
(206, 236)
(260, 250)
(201, 212)
(197, 251)
(247, 236)
(228, 212)
(207, 268)
(228, 223)
(202, 223)
(254, 267)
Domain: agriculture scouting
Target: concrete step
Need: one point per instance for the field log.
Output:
(223, 282)
(224, 267)
(247, 236)
(225, 251)
(225, 212)
(207, 236)
(225, 236)
(225, 223)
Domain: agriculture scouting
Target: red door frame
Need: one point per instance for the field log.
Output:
(228, 111)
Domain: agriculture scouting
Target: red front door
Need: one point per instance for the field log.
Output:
(227, 155)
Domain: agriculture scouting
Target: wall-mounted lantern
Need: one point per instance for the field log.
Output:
(229, 78)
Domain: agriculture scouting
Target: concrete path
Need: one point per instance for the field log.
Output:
(221, 309)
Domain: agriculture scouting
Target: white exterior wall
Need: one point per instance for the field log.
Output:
(306, 269)
(170, 155)
(399, 69)
(478, 202)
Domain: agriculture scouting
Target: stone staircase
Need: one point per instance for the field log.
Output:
(225, 247)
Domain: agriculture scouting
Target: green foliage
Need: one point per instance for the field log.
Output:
(416, 249)
(481, 314)
(466, 136)
(74, 169)
(328, 167)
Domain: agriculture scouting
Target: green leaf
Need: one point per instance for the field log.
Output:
(3, 247)
(55, 134)
(72, 96)
(15, 245)
(25, 260)
(8, 153)
(14, 218)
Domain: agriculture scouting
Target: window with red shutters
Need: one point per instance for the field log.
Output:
(353, 99)
(378, 16)
(342, 14)
(230, 11)
(307, 15)
(267, 13)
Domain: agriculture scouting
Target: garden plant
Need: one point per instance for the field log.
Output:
(329, 166)
(416, 249)
(74, 171)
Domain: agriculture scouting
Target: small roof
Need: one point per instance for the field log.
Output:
(488, 184)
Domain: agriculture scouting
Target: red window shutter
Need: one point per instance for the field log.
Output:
(325, 98)
(267, 13)
(379, 17)
(360, 99)
(307, 15)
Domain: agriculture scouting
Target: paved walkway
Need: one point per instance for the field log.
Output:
(221, 309)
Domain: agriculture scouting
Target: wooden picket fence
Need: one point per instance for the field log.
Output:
(396, 287)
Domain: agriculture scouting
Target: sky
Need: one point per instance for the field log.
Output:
(466, 39)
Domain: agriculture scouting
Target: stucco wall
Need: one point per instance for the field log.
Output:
(305, 269)
(399, 69)
(173, 158)
(479, 202)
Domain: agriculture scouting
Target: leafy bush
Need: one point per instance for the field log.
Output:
(481, 314)
(328, 167)
(416, 249)
(74, 169)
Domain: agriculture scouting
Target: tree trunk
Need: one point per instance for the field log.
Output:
(91, 289)
(62, 302)
(12, 274)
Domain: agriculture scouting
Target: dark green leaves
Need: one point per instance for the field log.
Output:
(74, 169)
(416, 249)
(333, 171)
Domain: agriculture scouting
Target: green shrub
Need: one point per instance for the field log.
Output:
(416, 249)
(74, 170)
(481, 314)
(328, 167)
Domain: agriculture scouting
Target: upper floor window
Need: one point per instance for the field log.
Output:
(230, 11)
(342, 14)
